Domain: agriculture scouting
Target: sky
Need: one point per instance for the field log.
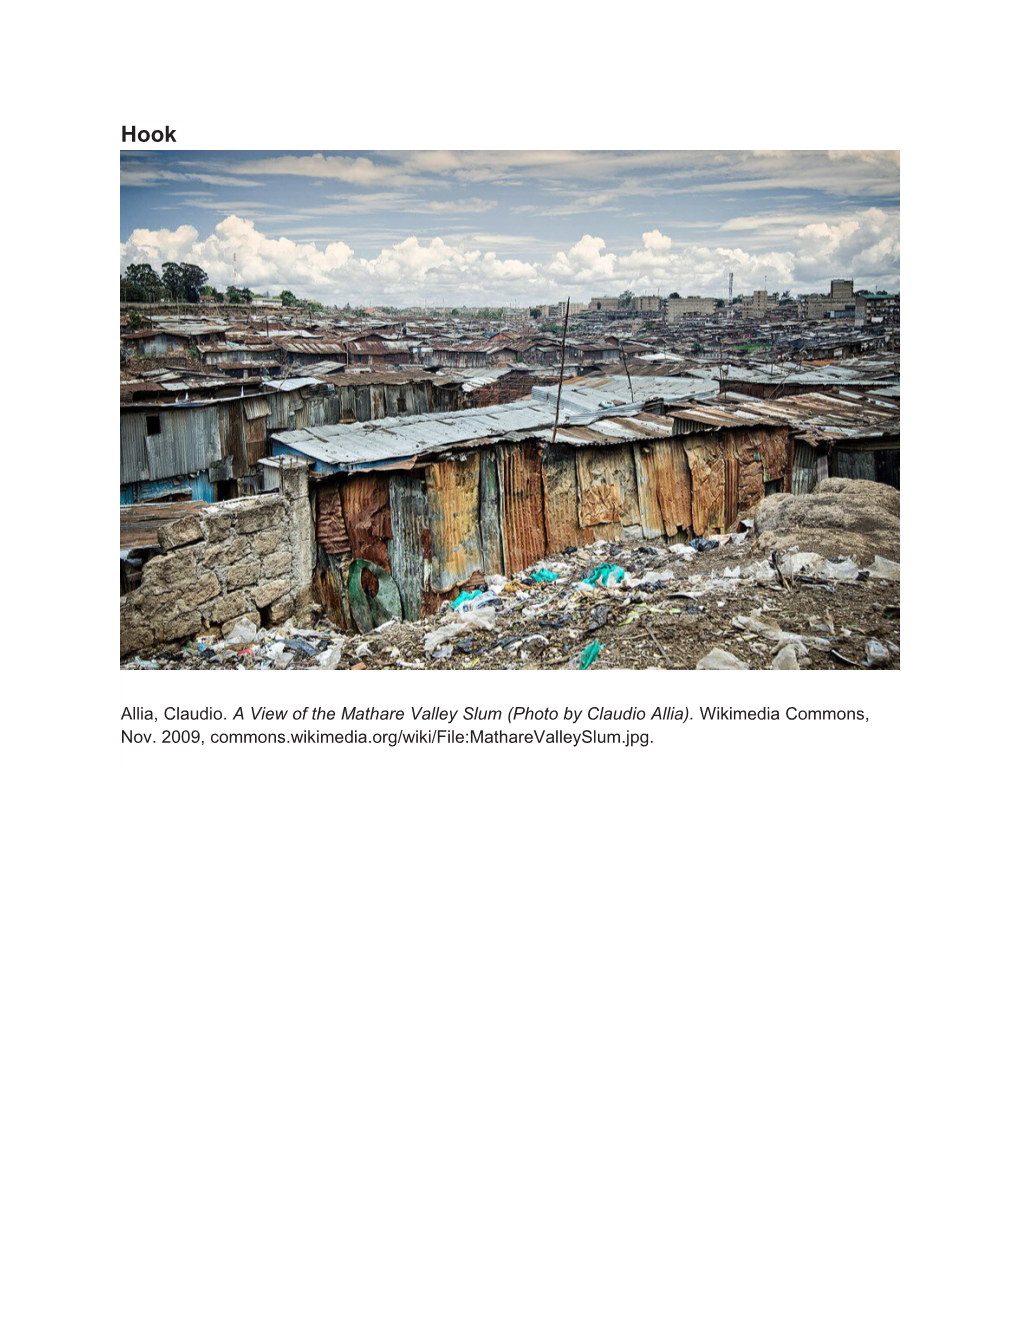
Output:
(470, 228)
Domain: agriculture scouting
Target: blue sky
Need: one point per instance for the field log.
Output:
(497, 227)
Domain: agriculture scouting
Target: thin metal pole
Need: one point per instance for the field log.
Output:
(563, 358)
(627, 370)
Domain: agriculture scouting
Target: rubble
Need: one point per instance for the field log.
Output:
(840, 518)
(662, 611)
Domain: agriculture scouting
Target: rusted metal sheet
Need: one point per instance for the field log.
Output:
(708, 484)
(330, 527)
(255, 408)
(256, 445)
(750, 484)
(523, 520)
(452, 493)
(858, 464)
(232, 436)
(490, 521)
(329, 586)
(366, 505)
(647, 491)
(731, 461)
(805, 468)
(775, 452)
(607, 490)
(672, 485)
(560, 504)
(411, 546)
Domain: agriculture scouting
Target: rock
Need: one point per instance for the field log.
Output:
(169, 570)
(168, 627)
(280, 610)
(226, 552)
(267, 592)
(202, 589)
(241, 574)
(262, 513)
(228, 607)
(268, 541)
(218, 522)
(275, 565)
(135, 639)
(183, 532)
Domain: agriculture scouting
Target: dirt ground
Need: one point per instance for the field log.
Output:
(674, 606)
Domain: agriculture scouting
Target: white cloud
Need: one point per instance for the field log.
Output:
(468, 268)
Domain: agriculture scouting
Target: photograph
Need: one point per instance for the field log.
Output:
(478, 994)
(509, 410)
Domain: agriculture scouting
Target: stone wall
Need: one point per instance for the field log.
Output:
(249, 558)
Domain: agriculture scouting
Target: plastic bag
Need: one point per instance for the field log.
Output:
(606, 574)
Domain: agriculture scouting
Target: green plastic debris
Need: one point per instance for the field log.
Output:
(588, 655)
(604, 574)
(465, 595)
(370, 609)
(543, 575)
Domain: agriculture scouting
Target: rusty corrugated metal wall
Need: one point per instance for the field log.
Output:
(519, 472)
(452, 522)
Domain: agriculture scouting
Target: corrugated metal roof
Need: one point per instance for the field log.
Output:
(837, 414)
(597, 400)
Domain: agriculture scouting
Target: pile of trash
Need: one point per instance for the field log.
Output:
(247, 646)
(718, 602)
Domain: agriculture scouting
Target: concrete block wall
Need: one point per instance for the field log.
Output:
(248, 558)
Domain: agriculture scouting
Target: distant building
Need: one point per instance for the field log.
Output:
(838, 302)
(758, 304)
(877, 310)
(679, 308)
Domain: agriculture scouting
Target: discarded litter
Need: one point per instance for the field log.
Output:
(606, 574)
(717, 658)
(483, 619)
(786, 658)
(543, 575)
(588, 655)
(703, 543)
(300, 645)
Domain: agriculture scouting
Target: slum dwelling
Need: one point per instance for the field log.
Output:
(409, 512)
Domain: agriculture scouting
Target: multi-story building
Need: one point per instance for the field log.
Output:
(757, 305)
(679, 308)
(838, 302)
(872, 310)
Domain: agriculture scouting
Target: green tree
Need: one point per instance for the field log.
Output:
(625, 299)
(287, 298)
(236, 295)
(183, 282)
(140, 283)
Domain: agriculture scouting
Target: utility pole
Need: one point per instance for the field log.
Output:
(623, 355)
(563, 358)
